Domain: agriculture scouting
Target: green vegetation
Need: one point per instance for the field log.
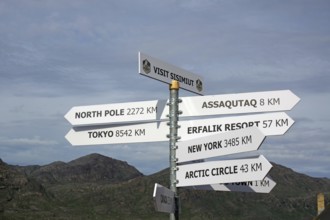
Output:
(27, 193)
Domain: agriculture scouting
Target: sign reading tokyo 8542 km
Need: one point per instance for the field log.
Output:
(159, 70)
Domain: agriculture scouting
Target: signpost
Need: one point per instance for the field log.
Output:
(164, 199)
(148, 121)
(258, 186)
(269, 124)
(164, 72)
(231, 142)
(225, 171)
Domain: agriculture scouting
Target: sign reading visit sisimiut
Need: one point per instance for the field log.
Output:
(156, 69)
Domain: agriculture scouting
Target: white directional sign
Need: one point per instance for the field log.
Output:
(159, 70)
(257, 186)
(163, 199)
(269, 124)
(134, 133)
(220, 144)
(226, 171)
(281, 100)
(117, 113)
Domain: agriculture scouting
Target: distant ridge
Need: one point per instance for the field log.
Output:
(100, 187)
(90, 168)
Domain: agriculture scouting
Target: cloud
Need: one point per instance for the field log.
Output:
(25, 142)
(58, 54)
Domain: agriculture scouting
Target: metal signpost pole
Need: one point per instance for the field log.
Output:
(173, 123)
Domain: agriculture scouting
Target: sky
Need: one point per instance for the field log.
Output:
(57, 54)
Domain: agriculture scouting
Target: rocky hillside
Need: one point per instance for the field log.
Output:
(99, 187)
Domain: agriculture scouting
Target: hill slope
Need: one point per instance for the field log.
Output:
(98, 187)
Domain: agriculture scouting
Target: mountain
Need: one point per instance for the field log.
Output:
(99, 187)
(90, 168)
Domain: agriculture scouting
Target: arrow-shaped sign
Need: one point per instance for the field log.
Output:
(117, 113)
(157, 110)
(220, 144)
(281, 100)
(112, 134)
(258, 186)
(164, 199)
(226, 171)
(269, 124)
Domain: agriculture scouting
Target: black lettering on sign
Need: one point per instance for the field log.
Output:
(161, 72)
(135, 111)
(282, 122)
(100, 134)
(230, 104)
(88, 114)
(255, 167)
(274, 101)
(194, 148)
(114, 112)
(151, 110)
(247, 139)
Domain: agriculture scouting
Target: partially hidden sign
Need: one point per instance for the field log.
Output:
(163, 199)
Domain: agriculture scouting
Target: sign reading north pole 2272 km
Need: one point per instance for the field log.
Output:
(159, 70)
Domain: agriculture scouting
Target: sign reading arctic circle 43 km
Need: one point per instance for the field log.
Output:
(225, 171)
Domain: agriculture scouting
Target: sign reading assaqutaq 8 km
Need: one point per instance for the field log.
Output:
(159, 70)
